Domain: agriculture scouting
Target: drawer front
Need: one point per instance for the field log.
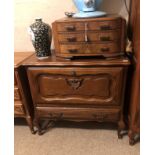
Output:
(105, 25)
(92, 37)
(93, 114)
(76, 86)
(90, 26)
(70, 27)
(104, 48)
(18, 108)
(17, 95)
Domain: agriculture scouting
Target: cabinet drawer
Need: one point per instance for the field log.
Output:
(91, 114)
(16, 94)
(92, 37)
(105, 25)
(76, 86)
(90, 26)
(18, 108)
(99, 48)
(70, 27)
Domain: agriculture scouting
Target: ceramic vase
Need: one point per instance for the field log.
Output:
(41, 37)
(88, 9)
(87, 5)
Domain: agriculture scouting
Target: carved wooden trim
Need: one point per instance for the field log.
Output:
(56, 117)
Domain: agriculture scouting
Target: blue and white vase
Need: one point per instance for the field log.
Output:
(41, 37)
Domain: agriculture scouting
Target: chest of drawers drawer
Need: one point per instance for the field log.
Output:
(84, 114)
(90, 25)
(92, 37)
(76, 49)
(88, 37)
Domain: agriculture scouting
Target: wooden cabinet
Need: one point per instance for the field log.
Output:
(134, 108)
(78, 90)
(89, 37)
(22, 97)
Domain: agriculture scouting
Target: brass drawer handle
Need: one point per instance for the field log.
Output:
(105, 38)
(100, 117)
(70, 28)
(71, 39)
(105, 27)
(73, 50)
(75, 83)
(105, 49)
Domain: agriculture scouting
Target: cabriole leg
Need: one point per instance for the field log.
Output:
(30, 124)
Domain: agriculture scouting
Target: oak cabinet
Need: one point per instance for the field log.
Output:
(78, 90)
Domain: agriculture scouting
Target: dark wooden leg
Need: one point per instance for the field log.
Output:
(48, 125)
(30, 124)
(131, 142)
(121, 129)
(133, 137)
(120, 136)
(37, 124)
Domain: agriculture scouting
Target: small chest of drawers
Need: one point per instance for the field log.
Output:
(89, 37)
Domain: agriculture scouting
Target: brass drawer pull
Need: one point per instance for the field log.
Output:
(105, 27)
(73, 50)
(70, 28)
(71, 39)
(104, 38)
(100, 117)
(75, 83)
(105, 49)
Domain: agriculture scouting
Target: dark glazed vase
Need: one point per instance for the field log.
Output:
(41, 38)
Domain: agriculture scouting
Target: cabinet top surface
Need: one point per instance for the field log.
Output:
(61, 62)
(19, 57)
(108, 17)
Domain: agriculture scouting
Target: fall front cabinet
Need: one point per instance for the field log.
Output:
(80, 90)
(71, 86)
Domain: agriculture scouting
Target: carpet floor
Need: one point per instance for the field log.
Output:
(68, 138)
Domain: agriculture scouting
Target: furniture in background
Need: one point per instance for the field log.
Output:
(79, 90)
(104, 36)
(22, 97)
(134, 105)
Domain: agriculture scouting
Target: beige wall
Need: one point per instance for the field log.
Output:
(27, 10)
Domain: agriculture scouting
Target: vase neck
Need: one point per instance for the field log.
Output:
(38, 19)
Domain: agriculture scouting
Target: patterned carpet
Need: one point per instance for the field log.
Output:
(68, 138)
